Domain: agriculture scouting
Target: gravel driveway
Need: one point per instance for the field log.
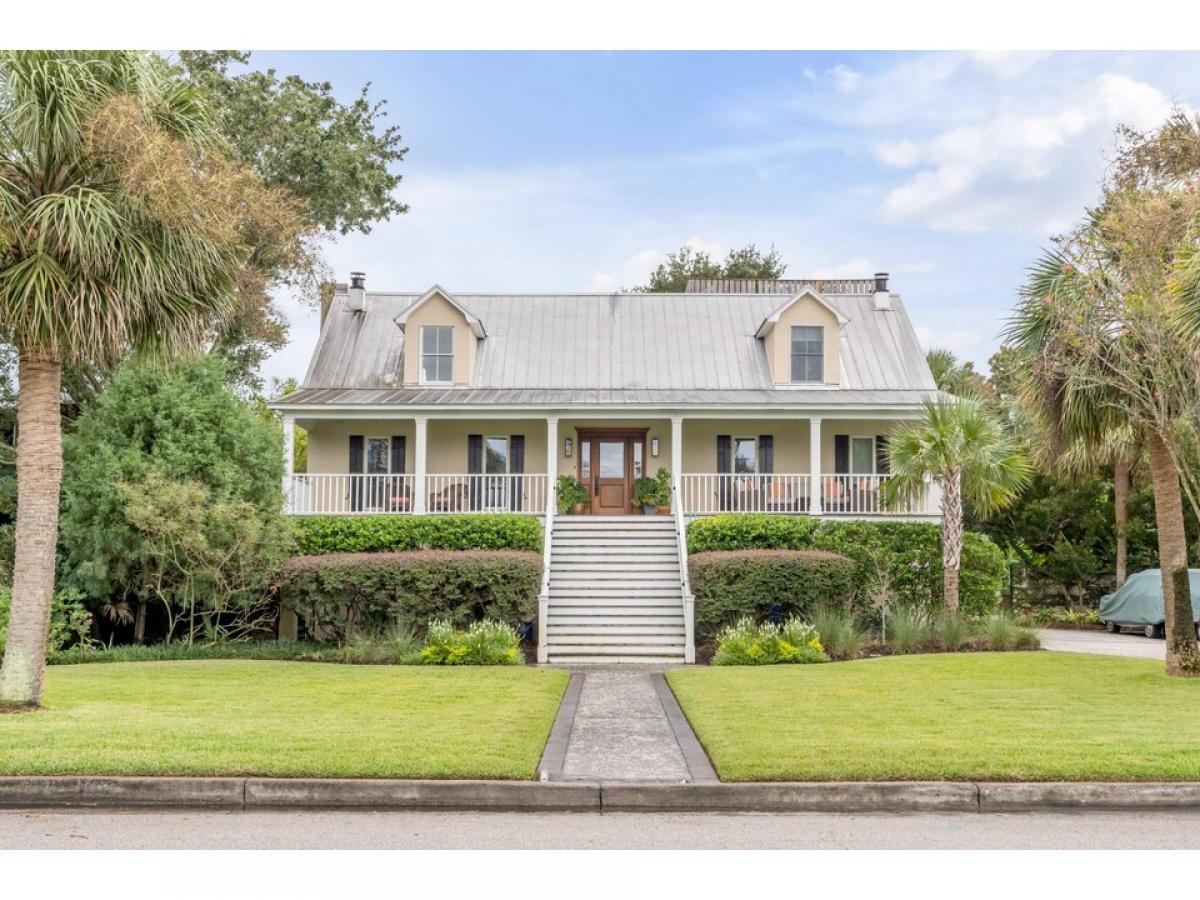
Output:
(1102, 643)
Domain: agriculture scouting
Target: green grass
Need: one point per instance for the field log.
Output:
(987, 716)
(244, 717)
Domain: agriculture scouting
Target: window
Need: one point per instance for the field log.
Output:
(437, 354)
(585, 461)
(808, 353)
(862, 456)
(744, 458)
(495, 455)
(378, 458)
(637, 459)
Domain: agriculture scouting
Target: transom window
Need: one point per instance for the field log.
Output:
(745, 459)
(862, 456)
(437, 354)
(808, 353)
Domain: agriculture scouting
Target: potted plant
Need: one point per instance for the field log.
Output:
(571, 495)
(663, 479)
(646, 495)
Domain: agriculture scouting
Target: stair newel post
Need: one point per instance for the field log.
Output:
(689, 602)
(543, 649)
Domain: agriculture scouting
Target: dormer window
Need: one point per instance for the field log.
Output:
(437, 354)
(808, 353)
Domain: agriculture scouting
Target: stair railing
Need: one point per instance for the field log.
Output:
(689, 602)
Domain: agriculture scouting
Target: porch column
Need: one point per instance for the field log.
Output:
(289, 446)
(551, 466)
(814, 465)
(420, 433)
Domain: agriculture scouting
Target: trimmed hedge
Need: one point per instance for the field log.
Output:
(910, 553)
(732, 585)
(379, 534)
(338, 593)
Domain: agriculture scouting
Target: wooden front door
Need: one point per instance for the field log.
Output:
(609, 462)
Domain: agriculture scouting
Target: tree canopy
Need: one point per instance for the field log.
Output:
(687, 262)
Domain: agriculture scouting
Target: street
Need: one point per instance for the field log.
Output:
(197, 830)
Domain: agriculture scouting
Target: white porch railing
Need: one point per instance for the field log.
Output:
(707, 494)
(485, 493)
(365, 495)
(351, 495)
(860, 495)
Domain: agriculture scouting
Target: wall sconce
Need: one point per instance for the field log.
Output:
(568, 446)
(654, 446)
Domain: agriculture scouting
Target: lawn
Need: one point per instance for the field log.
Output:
(246, 717)
(987, 716)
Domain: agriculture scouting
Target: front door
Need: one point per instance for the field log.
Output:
(609, 462)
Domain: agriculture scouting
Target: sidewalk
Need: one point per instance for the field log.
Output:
(622, 724)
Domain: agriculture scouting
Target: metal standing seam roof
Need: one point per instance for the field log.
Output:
(596, 349)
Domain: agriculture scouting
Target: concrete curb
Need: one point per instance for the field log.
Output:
(699, 766)
(554, 756)
(532, 796)
(794, 797)
(90, 790)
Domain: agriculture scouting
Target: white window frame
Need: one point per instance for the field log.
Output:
(421, 355)
(792, 379)
(753, 456)
(874, 457)
(367, 454)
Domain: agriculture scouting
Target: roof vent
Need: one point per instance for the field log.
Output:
(883, 299)
(357, 301)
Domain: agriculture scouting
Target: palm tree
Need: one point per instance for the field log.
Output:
(119, 230)
(959, 445)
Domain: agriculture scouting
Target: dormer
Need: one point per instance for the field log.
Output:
(440, 340)
(801, 339)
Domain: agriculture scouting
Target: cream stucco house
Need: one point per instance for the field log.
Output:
(757, 396)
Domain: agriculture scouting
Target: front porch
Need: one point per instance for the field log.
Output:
(421, 464)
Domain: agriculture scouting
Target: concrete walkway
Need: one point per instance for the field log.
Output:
(1102, 643)
(626, 727)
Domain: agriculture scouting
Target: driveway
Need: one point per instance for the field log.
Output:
(1102, 643)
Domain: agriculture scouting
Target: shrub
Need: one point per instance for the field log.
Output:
(570, 492)
(70, 621)
(950, 632)
(750, 643)
(1002, 633)
(907, 629)
(178, 424)
(909, 552)
(397, 644)
(486, 643)
(339, 593)
(315, 535)
(841, 633)
(761, 584)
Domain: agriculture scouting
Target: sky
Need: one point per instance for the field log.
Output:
(567, 172)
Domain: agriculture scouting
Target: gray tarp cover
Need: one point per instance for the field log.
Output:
(1139, 600)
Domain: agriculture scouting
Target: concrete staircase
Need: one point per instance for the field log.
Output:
(615, 591)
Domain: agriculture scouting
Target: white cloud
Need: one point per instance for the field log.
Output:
(632, 272)
(987, 175)
(899, 154)
(845, 79)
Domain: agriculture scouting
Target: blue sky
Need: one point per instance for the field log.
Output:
(580, 171)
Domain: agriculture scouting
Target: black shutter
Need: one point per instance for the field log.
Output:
(724, 466)
(516, 466)
(398, 443)
(355, 468)
(766, 454)
(881, 455)
(841, 454)
(474, 467)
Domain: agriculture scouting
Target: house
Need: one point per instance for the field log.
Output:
(757, 396)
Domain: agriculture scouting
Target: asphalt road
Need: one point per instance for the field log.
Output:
(1103, 643)
(177, 830)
